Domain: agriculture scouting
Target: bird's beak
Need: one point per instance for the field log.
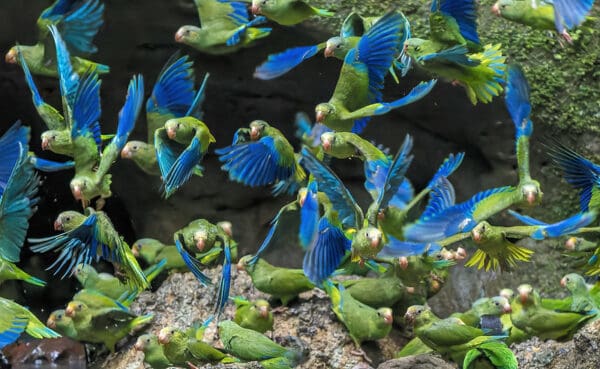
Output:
(77, 192)
(254, 133)
(531, 198)
(320, 117)
(125, 153)
(163, 339)
(255, 9)
(11, 57)
(139, 346)
(571, 243)
(476, 235)
(51, 323)
(45, 144)
(264, 312)
(496, 9)
(326, 144)
(563, 282)
(179, 35)
(507, 309)
(172, 133)
(240, 266)
(201, 244)
(410, 290)
(70, 312)
(403, 262)
(523, 296)
(328, 52)
(409, 318)
(58, 225)
(388, 318)
(135, 250)
(375, 241)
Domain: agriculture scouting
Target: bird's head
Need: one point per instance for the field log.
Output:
(323, 111)
(570, 281)
(374, 237)
(68, 220)
(244, 262)
(11, 56)
(165, 335)
(327, 139)
(54, 138)
(82, 271)
(144, 341)
(131, 149)
(79, 186)
(55, 318)
(572, 243)
(74, 308)
(386, 315)
(257, 129)
(507, 293)
(173, 127)
(501, 304)
(335, 47)
(532, 193)
(413, 313)
(479, 233)
(227, 227)
(200, 238)
(187, 34)
(510, 9)
(525, 290)
(403, 262)
(415, 47)
(263, 307)
(260, 6)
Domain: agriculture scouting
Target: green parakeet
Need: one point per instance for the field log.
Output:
(255, 315)
(103, 325)
(153, 351)
(9, 271)
(61, 323)
(179, 348)
(86, 238)
(485, 313)
(152, 251)
(414, 347)
(173, 96)
(78, 23)
(287, 12)
(247, 344)
(582, 299)
(490, 355)
(204, 236)
(16, 319)
(453, 51)
(380, 292)
(537, 320)
(559, 15)
(281, 283)
(225, 27)
(363, 322)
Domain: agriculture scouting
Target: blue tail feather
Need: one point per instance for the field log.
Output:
(193, 265)
(279, 64)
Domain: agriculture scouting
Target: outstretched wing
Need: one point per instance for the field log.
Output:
(85, 129)
(221, 14)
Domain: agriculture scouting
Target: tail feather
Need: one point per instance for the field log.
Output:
(140, 321)
(488, 76)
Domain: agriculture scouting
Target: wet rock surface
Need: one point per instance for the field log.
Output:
(59, 353)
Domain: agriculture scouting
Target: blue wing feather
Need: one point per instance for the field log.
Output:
(10, 335)
(195, 109)
(173, 91)
(465, 14)
(564, 227)
(570, 13)
(35, 94)
(10, 151)
(450, 164)
(82, 25)
(130, 111)
(309, 216)
(396, 174)
(69, 80)
(59, 8)
(396, 248)
(239, 11)
(281, 63)
(517, 101)
(237, 36)
(87, 109)
(225, 284)
(193, 265)
(50, 166)
(418, 92)
(326, 253)
(527, 219)
(182, 168)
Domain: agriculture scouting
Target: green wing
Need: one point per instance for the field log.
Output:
(220, 14)
(445, 333)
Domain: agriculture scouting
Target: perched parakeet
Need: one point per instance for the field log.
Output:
(384, 291)
(87, 238)
(173, 96)
(18, 192)
(537, 320)
(153, 251)
(180, 147)
(109, 285)
(204, 235)
(357, 95)
(485, 314)
(255, 315)
(16, 319)
(287, 12)
(414, 347)
(153, 351)
(515, 335)
(281, 283)
(61, 323)
(225, 27)
(363, 322)
(9, 271)
(449, 337)
(519, 107)
(453, 51)
(582, 299)
(250, 345)
(179, 348)
(559, 15)
(267, 157)
(78, 23)
(353, 27)
(103, 325)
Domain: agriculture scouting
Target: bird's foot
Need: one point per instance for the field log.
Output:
(360, 352)
(565, 36)
(100, 203)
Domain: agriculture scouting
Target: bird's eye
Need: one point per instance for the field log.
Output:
(135, 147)
(79, 307)
(67, 219)
(265, 2)
(417, 48)
(53, 137)
(497, 303)
(503, 6)
(148, 340)
(338, 46)
(59, 316)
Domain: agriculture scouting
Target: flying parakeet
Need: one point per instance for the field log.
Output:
(266, 158)
(255, 315)
(87, 238)
(357, 95)
(78, 23)
(225, 27)
(281, 283)
(453, 51)
(16, 319)
(9, 271)
(173, 96)
(153, 351)
(287, 12)
(559, 15)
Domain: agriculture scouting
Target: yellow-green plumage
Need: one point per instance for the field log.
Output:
(16, 317)
(255, 315)
(153, 351)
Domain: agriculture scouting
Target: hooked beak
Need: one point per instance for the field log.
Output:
(409, 318)
(460, 254)
(163, 338)
(125, 153)
(172, 133)
(328, 52)
(326, 144)
(496, 9)
(58, 225)
(403, 261)
(320, 117)
(240, 266)
(563, 282)
(410, 290)
(77, 193)
(531, 198)
(476, 235)
(375, 241)
(45, 143)
(523, 297)
(201, 244)
(507, 309)
(135, 250)
(70, 311)
(11, 57)
(264, 312)
(139, 346)
(255, 9)
(388, 318)
(571, 243)
(51, 323)
(254, 133)
(179, 35)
